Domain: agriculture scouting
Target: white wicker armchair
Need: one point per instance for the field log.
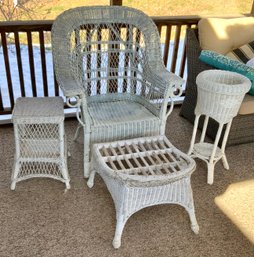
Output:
(109, 59)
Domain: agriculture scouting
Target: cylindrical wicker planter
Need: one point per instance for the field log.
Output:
(220, 94)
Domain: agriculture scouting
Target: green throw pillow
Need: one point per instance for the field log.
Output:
(223, 62)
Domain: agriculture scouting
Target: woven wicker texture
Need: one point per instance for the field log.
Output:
(242, 129)
(35, 109)
(109, 59)
(39, 139)
(220, 94)
(143, 172)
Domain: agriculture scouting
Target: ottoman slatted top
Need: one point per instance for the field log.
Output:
(144, 160)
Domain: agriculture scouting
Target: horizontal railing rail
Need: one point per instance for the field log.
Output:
(26, 67)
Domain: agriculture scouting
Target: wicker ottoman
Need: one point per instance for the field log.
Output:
(144, 172)
(39, 140)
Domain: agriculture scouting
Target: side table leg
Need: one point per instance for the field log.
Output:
(65, 174)
(63, 159)
(14, 175)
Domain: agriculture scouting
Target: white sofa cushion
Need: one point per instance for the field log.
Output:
(247, 106)
(224, 35)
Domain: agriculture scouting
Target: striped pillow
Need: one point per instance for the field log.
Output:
(243, 53)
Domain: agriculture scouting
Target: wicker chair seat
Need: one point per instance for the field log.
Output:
(118, 112)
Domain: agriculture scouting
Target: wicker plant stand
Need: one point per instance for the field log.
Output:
(39, 140)
(220, 94)
(242, 128)
(144, 172)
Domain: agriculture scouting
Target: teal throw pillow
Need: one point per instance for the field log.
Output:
(223, 62)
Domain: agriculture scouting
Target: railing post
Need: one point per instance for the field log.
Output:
(116, 2)
(252, 9)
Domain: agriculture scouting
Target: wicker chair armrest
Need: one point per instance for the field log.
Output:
(165, 81)
(70, 87)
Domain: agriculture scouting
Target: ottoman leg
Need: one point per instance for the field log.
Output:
(189, 207)
(194, 223)
(119, 230)
(67, 184)
(13, 185)
(90, 181)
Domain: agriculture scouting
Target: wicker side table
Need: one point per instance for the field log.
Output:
(39, 140)
(144, 172)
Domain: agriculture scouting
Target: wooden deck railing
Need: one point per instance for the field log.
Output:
(24, 72)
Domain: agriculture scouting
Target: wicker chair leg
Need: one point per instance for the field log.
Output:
(86, 153)
(77, 132)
